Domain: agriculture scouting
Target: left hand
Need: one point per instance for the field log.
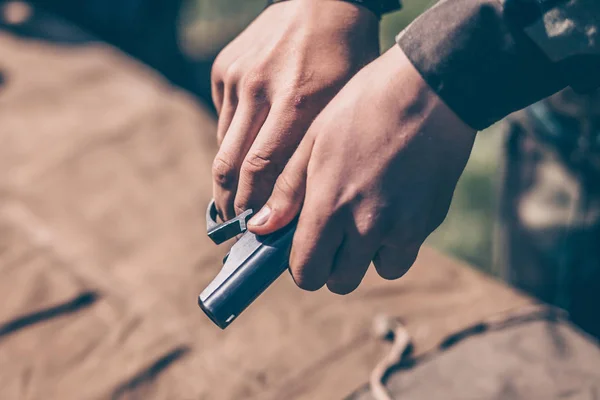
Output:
(271, 82)
(374, 176)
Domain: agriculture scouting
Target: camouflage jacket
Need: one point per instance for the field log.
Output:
(488, 58)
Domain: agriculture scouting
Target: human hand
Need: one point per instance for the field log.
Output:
(374, 176)
(270, 83)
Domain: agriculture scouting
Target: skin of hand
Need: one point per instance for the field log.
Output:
(372, 178)
(269, 84)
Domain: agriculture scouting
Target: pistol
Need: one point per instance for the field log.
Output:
(251, 266)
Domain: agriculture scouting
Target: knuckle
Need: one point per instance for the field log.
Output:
(300, 101)
(301, 96)
(256, 164)
(224, 172)
(255, 87)
(240, 205)
(234, 72)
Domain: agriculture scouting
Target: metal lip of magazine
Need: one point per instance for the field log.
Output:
(251, 266)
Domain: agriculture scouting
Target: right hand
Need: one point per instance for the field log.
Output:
(270, 83)
(372, 178)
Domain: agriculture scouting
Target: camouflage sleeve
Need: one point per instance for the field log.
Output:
(488, 58)
(569, 35)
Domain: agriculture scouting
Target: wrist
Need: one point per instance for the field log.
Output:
(377, 7)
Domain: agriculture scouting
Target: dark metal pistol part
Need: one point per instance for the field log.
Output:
(253, 264)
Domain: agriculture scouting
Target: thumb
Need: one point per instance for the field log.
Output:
(288, 194)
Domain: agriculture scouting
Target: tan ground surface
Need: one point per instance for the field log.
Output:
(104, 179)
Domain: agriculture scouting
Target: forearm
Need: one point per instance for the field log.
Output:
(484, 66)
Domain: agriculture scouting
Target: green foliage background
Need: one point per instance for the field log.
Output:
(468, 230)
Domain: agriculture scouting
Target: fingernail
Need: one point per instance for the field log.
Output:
(261, 217)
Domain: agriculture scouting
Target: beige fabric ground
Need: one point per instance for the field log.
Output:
(104, 179)
(529, 359)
